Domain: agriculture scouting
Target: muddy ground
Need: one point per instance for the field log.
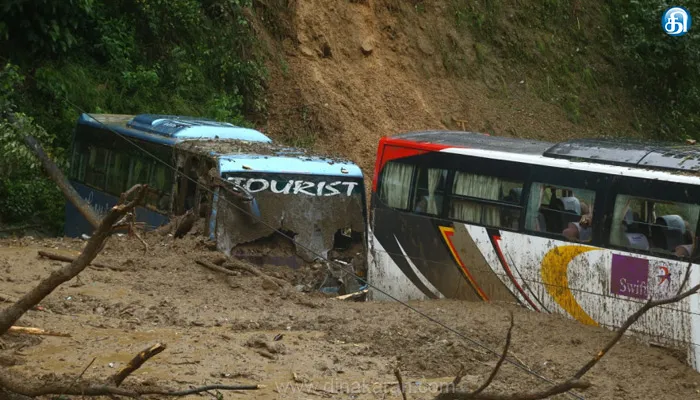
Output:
(221, 329)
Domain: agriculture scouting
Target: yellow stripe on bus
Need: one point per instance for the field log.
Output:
(555, 275)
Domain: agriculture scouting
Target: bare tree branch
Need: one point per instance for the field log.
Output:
(69, 389)
(500, 360)
(11, 314)
(631, 320)
(397, 373)
(137, 362)
(60, 257)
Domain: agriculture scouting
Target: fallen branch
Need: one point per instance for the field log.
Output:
(397, 374)
(137, 362)
(70, 389)
(60, 179)
(631, 320)
(575, 381)
(351, 295)
(275, 281)
(500, 360)
(35, 331)
(59, 257)
(10, 315)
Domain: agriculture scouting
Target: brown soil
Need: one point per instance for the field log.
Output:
(220, 329)
(346, 74)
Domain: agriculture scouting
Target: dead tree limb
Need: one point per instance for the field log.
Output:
(397, 374)
(575, 381)
(10, 315)
(69, 389)
(57, 176)
(35, 331)
(137, 362)
(628, 323)
(495, 370)
(275, 281)
(60, 257)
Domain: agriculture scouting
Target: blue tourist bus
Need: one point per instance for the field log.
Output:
(247, 188)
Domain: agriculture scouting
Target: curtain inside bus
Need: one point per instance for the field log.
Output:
(396, 185)
(478, 186)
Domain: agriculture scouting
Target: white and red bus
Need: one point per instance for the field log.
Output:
(587, 228)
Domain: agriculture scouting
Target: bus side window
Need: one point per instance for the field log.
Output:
(430, 191)
(96, 170)
(395, 189)
(160, 188)
(468, 189)
(117, 173)
(79, 162)
(654, 225)
(560, 210)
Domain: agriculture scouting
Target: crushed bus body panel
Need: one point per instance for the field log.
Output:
(591, 230)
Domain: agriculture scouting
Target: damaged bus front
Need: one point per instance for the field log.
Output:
(246, 188)
(263, 189)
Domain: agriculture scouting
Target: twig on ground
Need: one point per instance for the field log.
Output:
(137, 362)
(60, 257)
(35, 331)
(500, 360)
(252, 270)
(397, 373)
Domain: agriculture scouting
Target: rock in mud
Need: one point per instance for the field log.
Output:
(367, 47)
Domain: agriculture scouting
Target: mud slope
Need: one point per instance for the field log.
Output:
(345, 73)
(220, 330)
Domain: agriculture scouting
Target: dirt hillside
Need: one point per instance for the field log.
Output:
(220, 330)
(345, 73)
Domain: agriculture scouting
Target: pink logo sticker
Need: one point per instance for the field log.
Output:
(629, 276)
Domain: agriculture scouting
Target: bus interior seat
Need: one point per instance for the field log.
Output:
(668, 231)
(572, 211)
(637, 241)
(552, 215)
(571, 204)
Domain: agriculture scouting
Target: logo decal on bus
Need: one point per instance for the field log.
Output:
(254, 185)
(629, 276)
(447, 234)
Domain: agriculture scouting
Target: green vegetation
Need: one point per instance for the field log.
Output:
(576, 51)
(664, 70)
(61, 57)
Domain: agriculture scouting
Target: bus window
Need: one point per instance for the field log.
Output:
(160, 188)
(395, 187)
(654, 225)
(560, 210)
(430, 191)
(140, 171)
(117, 172)
(79, 163)
(469, 188)
(95, 174)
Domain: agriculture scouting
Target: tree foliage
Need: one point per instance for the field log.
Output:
(63, 57)
(663, 70)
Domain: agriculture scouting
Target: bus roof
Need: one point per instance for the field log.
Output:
(628, 153)
(170, 129)
(287, 165)
(237, 149)
(237, 156)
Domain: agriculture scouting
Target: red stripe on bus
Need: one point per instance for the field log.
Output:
(501, 257)
(447, 234)
(392, 149)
